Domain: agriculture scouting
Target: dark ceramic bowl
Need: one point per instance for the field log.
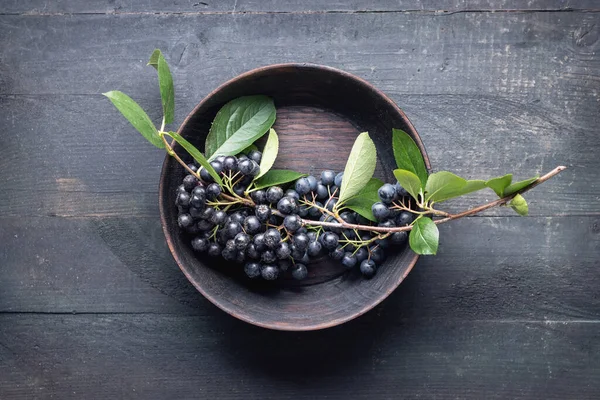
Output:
(320, 111)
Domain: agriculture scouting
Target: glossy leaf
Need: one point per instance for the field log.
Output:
(519, 204)
(136, 116)
(515, 187)
(359, 167)
(197, 155)
(269, 153)
(424, 237)
(154, 58)
(499, 184)
(409, 181)
(445, 185)
(165, 82)
(362, 202)
(408, 156)
(238, 124)
(276, 177)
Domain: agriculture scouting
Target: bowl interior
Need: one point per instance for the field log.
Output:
(320, 111)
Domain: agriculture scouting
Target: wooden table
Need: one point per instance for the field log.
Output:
(92, 304)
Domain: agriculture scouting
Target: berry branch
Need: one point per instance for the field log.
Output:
(235, 207)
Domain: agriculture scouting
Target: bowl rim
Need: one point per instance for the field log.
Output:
(223, 306)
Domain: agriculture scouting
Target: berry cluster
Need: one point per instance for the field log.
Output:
(269, 230)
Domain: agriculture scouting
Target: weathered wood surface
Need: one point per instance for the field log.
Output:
(92, 304)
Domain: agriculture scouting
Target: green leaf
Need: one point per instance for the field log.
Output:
(238, 124)
(167, 91)
(154, 58)
(276, 177)
(362, 202)
(499, 184)
(519, 204)
(195, 153)
(136, 115)
(515, 187)
(165, 82)
(269, 153)
(424, 237)
(408, 156)
(359, 167)
(441, 183)
(444, 185)
(409, 181)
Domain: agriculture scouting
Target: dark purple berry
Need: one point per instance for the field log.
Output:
(190, 182)
(213, 191)
(269, 272)
(322, 192)
(299, 272)
(312, 182)
(368, 268)
(219, 217)
(268, 256)
(242, 241)
(262, 212)
(252, 225)
(404, 218)
(274, 194)
(283, 251)
(380, 211)
(301, 240)
(205, 225)
(251, 252)
(349, 260)
(183, 199)
(200, 244)
(193, 167)
(230, 163)
(330, 240)
(272, 238)
(255, 155)
(337, 254)
(361, 254)
(387, 193)
(185, 220)
(259, 196)
(302, 186)
(398, 237)
(327, 177)
(292, 223)
(248, 167)
(252, 269)
(259, 242)
(287, 205)
(232, 228)
(338, 179)
(292, 193)
(400, 191)
(214, 249)
(314, 248)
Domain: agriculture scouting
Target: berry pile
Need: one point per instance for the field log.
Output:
(268, 231)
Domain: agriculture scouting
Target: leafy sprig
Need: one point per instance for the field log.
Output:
(244, 120)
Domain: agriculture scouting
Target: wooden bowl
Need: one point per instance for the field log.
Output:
(320, 111)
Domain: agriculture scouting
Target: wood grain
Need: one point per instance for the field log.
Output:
(378, 356)
(507, 310)
(40, 7)
(487, 268)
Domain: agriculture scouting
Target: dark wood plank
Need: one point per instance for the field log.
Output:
(527, 103)
(487, 268)
(158, 357)
(37, 7)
